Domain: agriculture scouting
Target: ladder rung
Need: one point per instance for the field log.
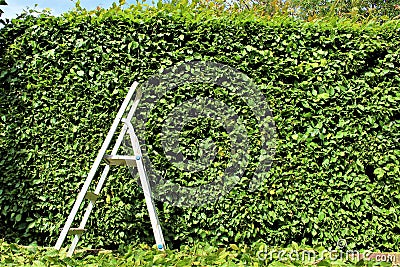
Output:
(120, 160)
(76, 231)
(91, 196)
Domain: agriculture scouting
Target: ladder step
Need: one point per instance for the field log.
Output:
(76, 231)
(91, 196)
(120, 160)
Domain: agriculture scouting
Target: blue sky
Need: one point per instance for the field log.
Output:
(57, 7)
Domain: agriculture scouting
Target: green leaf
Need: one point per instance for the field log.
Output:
(324, 263)
(234, 247)
(323, 96)
(133, 45)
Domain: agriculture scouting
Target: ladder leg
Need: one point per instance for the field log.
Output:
(73, 245)
(71, 216)
(88, 210)
(155, 223)
(82, 226)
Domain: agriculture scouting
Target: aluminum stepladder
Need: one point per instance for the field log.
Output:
(117, 160)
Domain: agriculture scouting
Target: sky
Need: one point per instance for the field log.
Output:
(57, 7)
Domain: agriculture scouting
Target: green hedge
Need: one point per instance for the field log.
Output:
(333, 89)
(198, 255)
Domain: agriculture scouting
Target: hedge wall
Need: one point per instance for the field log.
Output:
(333, 89)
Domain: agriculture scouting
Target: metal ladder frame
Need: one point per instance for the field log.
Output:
(113, 159)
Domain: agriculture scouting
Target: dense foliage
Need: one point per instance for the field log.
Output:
(333, 89)
(143, 255)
